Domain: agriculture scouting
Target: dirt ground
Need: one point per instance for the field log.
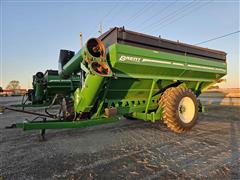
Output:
(128, 149)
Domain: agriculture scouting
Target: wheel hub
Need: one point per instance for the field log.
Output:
(182, 109)
(186, 109)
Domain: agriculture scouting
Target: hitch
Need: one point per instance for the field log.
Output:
(3, 108)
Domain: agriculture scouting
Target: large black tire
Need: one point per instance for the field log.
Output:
(180, 109)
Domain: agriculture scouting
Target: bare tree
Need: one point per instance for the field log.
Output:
(13, 85)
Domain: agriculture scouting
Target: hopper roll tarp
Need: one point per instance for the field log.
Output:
(122, 36)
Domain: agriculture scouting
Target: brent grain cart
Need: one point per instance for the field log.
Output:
(138, 76)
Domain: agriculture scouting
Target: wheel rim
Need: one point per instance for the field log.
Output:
(186, 109)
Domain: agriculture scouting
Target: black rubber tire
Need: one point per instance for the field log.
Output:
(170, 103)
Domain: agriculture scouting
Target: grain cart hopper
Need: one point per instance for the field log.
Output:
(138, 76)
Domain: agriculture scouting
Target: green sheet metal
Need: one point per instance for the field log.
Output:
(57, 124)
(73, 65)
(151, 64)
(85, 97)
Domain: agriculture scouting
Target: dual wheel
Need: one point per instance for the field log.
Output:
(180, 109)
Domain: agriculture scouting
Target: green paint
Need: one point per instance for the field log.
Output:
(161, 65)
(150, 96)
(152, 117)
(49, 124)
(85, 97)
(73, 65)
(133, 85)
(52, 84)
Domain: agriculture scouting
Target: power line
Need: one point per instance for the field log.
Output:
(105, 17)
(219, 37)
(180, 17)
(171, 15)
(138, 13)
(109, 12)
(159, 13)
(116, 12)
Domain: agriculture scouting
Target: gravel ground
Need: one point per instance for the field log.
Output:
(124, 150)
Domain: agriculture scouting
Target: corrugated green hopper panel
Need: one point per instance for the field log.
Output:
(129, 61)
(136, 68)
(129, 88)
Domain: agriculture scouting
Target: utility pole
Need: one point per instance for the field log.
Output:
(81, 40)
(100, 28)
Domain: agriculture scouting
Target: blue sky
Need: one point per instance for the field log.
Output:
(33, 32)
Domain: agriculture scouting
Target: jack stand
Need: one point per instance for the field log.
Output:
(43, 132)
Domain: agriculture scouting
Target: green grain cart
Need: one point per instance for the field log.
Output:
(124, 73)
(49, 86)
